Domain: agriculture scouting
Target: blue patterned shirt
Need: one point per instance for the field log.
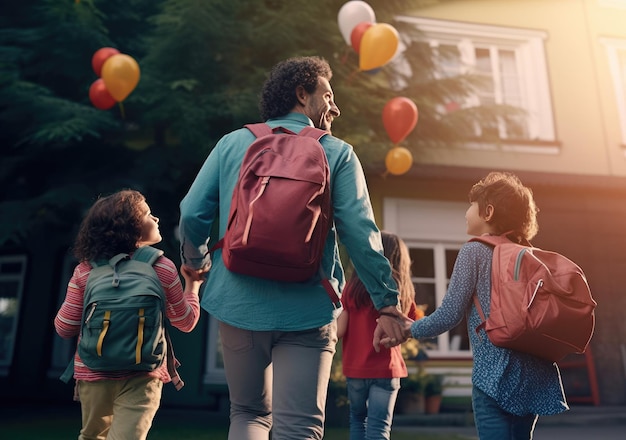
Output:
(521, 384)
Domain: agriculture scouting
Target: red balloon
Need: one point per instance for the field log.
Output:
(399, 118)
(100, 56)
(100, 96)
(357, 34)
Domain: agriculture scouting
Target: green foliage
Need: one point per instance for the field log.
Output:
(422, 382)
(202, 67)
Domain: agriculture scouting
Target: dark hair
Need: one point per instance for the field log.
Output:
(514, 206)
(279, 91)
(397, 253)
(112, 225)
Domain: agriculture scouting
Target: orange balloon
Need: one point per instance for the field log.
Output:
(357, 34)
(378, 46)
(398, 160)
(121, 75)
(399, 118)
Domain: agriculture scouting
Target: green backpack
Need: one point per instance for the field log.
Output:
(123, 321)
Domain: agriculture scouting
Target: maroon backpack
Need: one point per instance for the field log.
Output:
(280, 211)
(541, 303)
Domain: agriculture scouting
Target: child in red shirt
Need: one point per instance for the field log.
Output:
(373, 378)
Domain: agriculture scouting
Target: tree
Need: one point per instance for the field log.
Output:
(58, 150)
(202, 67)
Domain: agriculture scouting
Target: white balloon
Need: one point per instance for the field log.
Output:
(351, 14)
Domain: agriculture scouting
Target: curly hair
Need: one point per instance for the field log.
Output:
(514, 206)
(111, 226)
(278, 96)
(397, 253)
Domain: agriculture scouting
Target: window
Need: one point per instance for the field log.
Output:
(62, 349)
(434, 231)
(512, 64)
(432, 266)
(12, 274)
(616, 51)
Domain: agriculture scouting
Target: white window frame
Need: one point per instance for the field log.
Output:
(433, 225)
(11, 278)
(528, 46)
(616, 53)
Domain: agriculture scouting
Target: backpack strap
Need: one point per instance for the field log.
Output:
(479, 309)
(315, 133)
(147, 254)
(493, 241)
(260, 129)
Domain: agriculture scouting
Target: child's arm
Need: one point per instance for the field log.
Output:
(342, 323)
(193, 279)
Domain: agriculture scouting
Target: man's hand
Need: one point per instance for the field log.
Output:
(196, 274)
(387, 340)
(389, 326)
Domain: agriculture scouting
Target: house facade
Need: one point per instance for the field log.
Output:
(564, 63)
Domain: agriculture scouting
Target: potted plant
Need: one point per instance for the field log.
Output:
(411, 397)
(433, 390)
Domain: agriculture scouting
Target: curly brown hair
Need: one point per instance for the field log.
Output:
(278, 96)
(398, 255)
(514, 205)
(111, 226)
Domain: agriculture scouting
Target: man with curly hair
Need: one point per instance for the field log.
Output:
(278, 338)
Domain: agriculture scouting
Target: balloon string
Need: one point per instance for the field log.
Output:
(122, 109)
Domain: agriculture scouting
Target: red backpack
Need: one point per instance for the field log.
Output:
(541, 303)
(280, 211)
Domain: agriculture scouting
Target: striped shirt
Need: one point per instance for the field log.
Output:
(182, 310)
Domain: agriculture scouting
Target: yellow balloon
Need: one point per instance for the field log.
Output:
(378, 46)
(398, 160)
(120, 74)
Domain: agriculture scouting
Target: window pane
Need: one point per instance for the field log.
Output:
(12, 270)
(449, 60)
(8, 315)
(422, 263)
(451, 255)
(511, 93)
(425, 294)
(486, 89)
(459, 340)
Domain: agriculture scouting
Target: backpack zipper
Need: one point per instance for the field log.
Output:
(91, 312)
(532, 298)
(518, 263)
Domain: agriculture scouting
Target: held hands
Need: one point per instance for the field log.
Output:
(194, 276)
(393, 329)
